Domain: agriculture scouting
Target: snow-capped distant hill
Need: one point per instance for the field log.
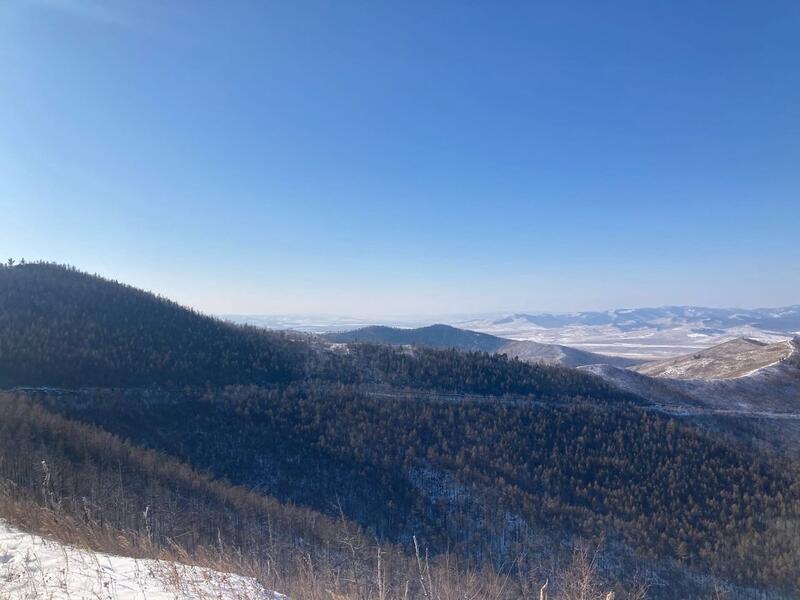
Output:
(736, 358)
(645, 333)
(741, 375)
(33, 568)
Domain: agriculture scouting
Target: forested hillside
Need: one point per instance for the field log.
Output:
(503, 471)
(471, 373)
(61, 327)
(192, 433)
(84, 487)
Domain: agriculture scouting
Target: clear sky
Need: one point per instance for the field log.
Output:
(387, 158)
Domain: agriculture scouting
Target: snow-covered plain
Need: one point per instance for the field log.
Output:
(33, 568)
(645, 333)
(644, 343)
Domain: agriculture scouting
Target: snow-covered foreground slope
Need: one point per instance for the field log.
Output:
(32, 568)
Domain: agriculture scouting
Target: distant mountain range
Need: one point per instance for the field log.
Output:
(708, 320)
(446, 336)
(645, 333)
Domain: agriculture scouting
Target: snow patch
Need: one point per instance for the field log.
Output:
(33, 568)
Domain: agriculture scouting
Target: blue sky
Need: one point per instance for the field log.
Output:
(414, 158)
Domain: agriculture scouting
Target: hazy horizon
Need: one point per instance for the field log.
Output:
(271, 158)
(488, 314)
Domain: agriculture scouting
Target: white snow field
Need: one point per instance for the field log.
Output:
(33, 568)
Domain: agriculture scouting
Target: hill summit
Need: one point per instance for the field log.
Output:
(62, 327)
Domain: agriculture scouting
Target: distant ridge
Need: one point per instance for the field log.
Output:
(782, 319)
(432, 336)
(446, 336)
(563, 355)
